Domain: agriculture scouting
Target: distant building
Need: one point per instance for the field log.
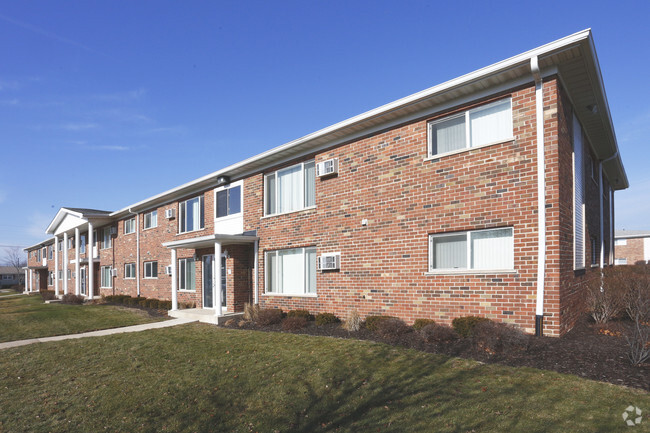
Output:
(632, 246)
(10, 276)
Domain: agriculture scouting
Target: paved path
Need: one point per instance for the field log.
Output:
(135, 328)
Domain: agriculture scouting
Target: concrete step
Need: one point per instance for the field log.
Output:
(203, 315)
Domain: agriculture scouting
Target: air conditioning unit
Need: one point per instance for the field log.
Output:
(74, 275)
(113, 230)
(329, 262)
(326, 168)
(169, 213)
(114, 272)
(168, 269)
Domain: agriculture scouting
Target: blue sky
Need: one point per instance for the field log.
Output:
(105, 103)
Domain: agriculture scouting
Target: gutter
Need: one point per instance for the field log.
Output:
(137, 249)
(602, 215)
(541, 197)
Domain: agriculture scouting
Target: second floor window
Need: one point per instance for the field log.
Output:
(129, 270)
(191, 215)
(151, 220)
(290, 189)
(129, 226)
(82, 244)
(106, 237)
(229, 201)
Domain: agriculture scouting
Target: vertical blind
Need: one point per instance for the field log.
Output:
(450, 252)
(579, 200)
(291, 271)
(291, 189)
(448, 135)
(479, 250)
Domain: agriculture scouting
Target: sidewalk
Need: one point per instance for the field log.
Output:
(135, 328)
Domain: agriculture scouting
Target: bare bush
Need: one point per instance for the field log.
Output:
(605, 297)
(639, 343)
(352, 321)
(435, 333)
(251, 311)
(392, 328)
(294, 323)
(269, 316)
(494, 337)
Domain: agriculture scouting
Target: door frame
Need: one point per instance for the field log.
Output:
(83, 280)
(203, 291)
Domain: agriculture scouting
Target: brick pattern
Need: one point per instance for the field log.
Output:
(633, 251)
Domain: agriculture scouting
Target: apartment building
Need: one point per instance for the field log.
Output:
(491, 194)
(632, 247)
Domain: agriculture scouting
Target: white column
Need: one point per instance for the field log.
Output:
(256, 248)
(90, 253)
(65, 263)
(26, 278)
(31, 280)
(174, 281)
(56, 266)
(77, 286)
(216, 281)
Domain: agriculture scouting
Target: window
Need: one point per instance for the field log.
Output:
(69, 274)
(191, 215)
(50, 278)
(229, 201)
(82, 244)
(579, 197)
(290, 189)
(60, 275)
(491, 249)
(595, 251)
(620, 242)
(129, 270)
(38, 255)
(50, 252)
(106, 238)
(491, 123)
(107, 277)
(621, 261)
(151, 220)
(151, 269)
(186, 275)
(70, 243)
(60, 247)
(129, 226)
(44, 253)
(8, 277)
(291, 271)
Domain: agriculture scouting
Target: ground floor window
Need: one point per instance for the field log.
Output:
(491, 249)
(620, 261)
(186, 274)
(151, 269)
(50, 278)
(291, 271)
(107, 277)
(129, 270)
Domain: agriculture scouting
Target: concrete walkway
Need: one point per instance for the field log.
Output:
(135, 328)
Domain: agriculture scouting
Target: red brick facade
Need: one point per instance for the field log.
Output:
(632, 252)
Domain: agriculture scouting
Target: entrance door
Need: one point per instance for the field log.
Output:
(223, 281)
(82, 281)
(208, 295)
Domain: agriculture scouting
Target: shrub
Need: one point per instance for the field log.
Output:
(352, 321)
(326, 318)
(373, 321)
(492, 337)
(392, 328)
(421, 323)
(638, 342)
(464, 325)
(294, 323)
(603, 303)
(133, 302)
(435, 333)
(251, 311)
(185, 305)
(153, 303)
(144, 303)
(300, 313)
(269, 316)
(47, 295)
(73, 299)
(164, 305)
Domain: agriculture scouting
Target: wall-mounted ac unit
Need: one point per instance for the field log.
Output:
(168, 269)
(114, 272)
(328, 167)
(169, 213)
(329, 262)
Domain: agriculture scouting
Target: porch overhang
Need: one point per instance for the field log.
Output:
(36, 268)
(210, 240)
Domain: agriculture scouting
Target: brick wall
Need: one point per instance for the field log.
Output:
(633, 251)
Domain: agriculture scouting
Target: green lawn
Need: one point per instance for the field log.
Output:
(200, 378)
(26, 317)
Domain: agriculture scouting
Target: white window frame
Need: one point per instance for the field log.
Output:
(60, 274)
(182, 207)
(153, 219)
(302, 188)
(82, 244)
(468, 269)
(239, 184)
(129, 226)
(103, 245)
(102, 277)
(148, 269)
(579, 263)
(267, 270)
(130, 275)
(50, 252)
(620, 242)
(468, 135)
(50, 278)
(182, 283)
(69, 274)
(620, 261)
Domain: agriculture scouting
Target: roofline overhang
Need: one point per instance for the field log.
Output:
(502, 67)
(210, 240)
(87, 216)
(39, 245)
(636, 236)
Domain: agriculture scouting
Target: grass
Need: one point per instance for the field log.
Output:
(200, 378)
(28, 317)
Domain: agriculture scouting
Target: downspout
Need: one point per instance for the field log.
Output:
(541, 199)
(602, 216)
(137, 249)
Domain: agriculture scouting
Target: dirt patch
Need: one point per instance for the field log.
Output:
(591, 351)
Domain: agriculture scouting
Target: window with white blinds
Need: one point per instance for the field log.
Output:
(491, 123)
(480, 250)
(291, 271)
(290, 189)
(579, 197)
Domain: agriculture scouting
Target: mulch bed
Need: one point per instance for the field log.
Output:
(597, 352)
